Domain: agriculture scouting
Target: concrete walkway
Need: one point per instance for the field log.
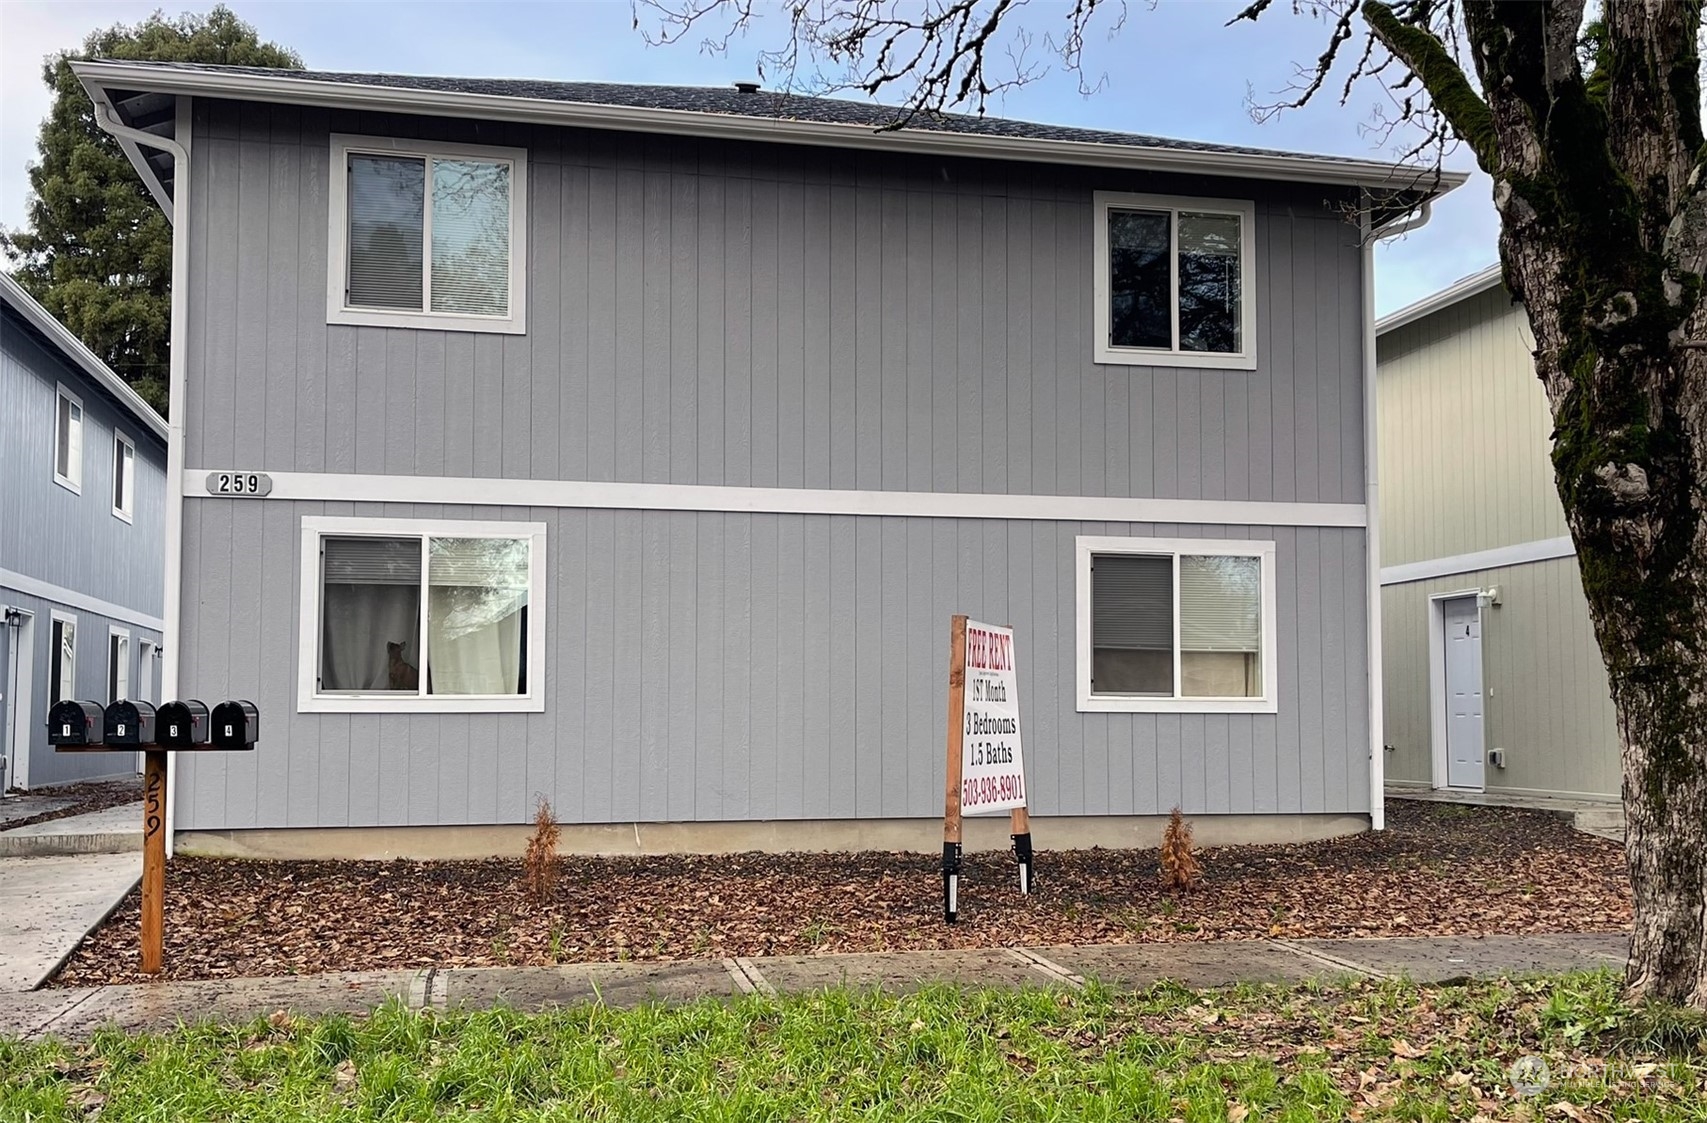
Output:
(1602, 818)
(78, 1012)
(47, 906)
(116, 830)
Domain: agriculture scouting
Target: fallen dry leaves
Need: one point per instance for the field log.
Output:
(87, 796)
(1436, 871)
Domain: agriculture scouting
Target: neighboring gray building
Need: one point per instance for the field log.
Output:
(632, 446)
(82, 541)
(1494, 679)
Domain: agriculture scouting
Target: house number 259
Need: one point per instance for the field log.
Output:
(239, 483)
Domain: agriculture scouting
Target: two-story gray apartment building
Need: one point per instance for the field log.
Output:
(82, 541)
(632, 446)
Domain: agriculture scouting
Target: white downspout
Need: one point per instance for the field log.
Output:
(177, 382)
(1372, 504)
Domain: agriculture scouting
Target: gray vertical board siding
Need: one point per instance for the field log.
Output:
(49, 532)
(1547, 700)
(671, 281)
(712, 666)
(47, 767)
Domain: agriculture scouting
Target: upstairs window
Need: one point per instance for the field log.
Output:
(427, 235)
(1174, 283)
(68, 441)
(124, 476)
(1176, 625)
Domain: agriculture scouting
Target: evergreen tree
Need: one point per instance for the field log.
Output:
(96, 249)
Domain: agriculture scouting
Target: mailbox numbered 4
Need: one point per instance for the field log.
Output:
(236, 725)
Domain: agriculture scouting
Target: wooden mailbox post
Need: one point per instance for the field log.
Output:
(126, 727)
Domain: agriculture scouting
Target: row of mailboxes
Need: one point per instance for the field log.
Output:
(175, 725)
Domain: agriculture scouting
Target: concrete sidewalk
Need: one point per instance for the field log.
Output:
(116, 830)
(47, 906)
(77, 1012)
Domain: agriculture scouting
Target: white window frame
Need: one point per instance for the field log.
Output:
(124, 475)
(310, 700)
(337, 256)
(1087, 547)
(1246, 211)
(72, 482)
(121, 637)
(55, 616)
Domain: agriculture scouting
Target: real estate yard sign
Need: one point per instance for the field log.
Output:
(986, 768)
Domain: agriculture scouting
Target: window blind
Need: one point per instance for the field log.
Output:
(387, 205)
(372, 561)
(1220, 603)
(471, 237)
(1132, 602)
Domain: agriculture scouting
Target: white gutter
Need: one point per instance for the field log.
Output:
(177, 388)
(1473, 285)
(1372, 508)
(73, 348)
(499, 107)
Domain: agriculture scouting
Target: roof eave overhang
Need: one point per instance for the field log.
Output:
(97, 91)
(1474, 285)
(13, 296)
(1424, 182)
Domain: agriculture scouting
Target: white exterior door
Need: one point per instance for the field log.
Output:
(18, 683)
(1465, 755)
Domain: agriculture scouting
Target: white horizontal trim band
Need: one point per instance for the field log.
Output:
(1523, 553)
(486, 491)
(71, 598)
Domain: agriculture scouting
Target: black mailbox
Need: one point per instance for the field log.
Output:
(181, 725)
(130, 723)
(236, 725)
(75, 723)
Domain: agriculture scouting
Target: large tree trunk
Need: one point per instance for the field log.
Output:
(1604, 239)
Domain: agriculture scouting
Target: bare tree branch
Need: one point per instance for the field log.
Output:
(939, 55)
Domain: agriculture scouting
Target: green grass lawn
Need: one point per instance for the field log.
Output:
(1367, 1052)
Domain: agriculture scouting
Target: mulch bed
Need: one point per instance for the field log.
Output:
(89, 795)
(1439, 869)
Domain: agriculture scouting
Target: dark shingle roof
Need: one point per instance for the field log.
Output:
(763, 105)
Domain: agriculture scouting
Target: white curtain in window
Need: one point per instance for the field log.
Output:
(371, 612)
(476, 597)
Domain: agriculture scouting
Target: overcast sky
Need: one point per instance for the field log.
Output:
(1172, 71)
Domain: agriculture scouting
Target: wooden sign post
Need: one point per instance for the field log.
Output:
(986, 770)
(951, 796)
(153, 860)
